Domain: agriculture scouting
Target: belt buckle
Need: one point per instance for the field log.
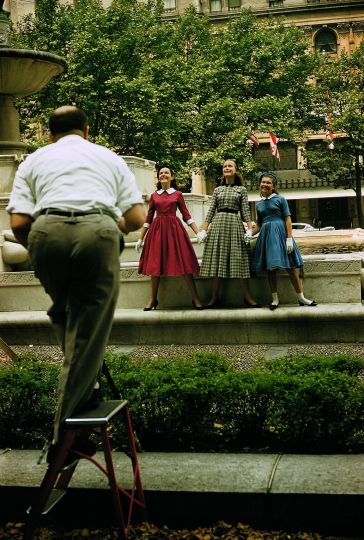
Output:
(72, 218)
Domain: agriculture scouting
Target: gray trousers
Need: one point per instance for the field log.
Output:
(77, 261)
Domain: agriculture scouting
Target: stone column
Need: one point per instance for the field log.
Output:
(301, 162)
(198, 184)
(9, 127)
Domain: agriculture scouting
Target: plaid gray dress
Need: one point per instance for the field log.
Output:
(226, 255)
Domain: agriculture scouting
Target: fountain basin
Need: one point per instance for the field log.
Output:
(336, 241)
(24, 72)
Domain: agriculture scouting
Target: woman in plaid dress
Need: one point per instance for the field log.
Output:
(226, 254)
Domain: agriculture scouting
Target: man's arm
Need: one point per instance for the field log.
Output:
(133, 219)
(20, 225)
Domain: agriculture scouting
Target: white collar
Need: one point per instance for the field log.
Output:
(169, 191)
(270, 196)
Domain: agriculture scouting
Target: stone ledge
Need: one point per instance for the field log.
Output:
(196, 472)
(326, 323)
(322, 493)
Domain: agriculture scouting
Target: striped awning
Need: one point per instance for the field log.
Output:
(319, 193)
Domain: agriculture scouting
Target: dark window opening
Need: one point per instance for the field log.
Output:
(325, 42)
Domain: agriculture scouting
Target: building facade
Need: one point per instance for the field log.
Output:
(333, 27)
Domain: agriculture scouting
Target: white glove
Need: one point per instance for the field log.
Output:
(289, 245)
(139, 245)
(201, 236)
(249, 233)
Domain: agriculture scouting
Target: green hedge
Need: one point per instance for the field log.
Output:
(300, 404)
(27, 402)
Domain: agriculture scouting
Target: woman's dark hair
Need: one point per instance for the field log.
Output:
(67, 119)
(173, 182)
(238, 180)
(273, 177)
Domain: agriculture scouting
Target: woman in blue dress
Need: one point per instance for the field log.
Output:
(275, 248)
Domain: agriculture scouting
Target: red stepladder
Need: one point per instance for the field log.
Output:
(58, 475)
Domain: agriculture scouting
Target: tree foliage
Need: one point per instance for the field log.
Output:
(186, 91)
(339, 92)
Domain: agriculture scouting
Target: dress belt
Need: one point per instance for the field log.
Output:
(75, 213)
(228, 211)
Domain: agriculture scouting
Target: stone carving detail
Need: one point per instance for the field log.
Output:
(15, 279)
(357, 26)
(130, 273)
(8, 279)
(328, 267)
(343, 28)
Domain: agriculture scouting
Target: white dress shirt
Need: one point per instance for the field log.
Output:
(73, 174)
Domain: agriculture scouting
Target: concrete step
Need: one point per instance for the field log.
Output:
(289, 324)
(321, 493)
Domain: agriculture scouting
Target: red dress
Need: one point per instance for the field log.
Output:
(167, 248)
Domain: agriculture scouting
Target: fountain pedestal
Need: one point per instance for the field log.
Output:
(22, 72)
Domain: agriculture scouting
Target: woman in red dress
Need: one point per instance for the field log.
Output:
(167, 249)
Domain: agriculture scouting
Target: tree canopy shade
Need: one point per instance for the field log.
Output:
(339, 92)
(184, 92)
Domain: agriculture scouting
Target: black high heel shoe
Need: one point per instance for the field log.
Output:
(256, 305)
(313, 303)
(199, 308)
(153, 306)
(212, 306)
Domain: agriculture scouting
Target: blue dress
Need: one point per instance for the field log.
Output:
(270, 249)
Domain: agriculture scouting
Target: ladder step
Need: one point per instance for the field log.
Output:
(99, 416)
(54, 497)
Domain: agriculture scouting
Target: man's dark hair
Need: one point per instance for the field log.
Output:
(67, 119)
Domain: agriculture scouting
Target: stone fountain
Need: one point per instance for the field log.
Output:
(25, 72)
(22, 72)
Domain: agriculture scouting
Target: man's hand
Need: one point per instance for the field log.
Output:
(20, 225)
(133, 219)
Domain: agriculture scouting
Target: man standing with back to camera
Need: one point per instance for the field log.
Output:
(69, 202)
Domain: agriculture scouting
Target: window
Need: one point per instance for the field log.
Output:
(234, 4)
(325, 42)
(215, 5)
(170, 5)
(275, 3)
(267, 162)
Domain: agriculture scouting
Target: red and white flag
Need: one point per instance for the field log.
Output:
(253, 139)
(330, 139)
(329, 134)
(273, 142)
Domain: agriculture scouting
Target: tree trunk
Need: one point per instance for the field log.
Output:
(358, 194)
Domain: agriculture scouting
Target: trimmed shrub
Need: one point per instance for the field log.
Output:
(310, 404)
(301, 404)
(27, 402)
